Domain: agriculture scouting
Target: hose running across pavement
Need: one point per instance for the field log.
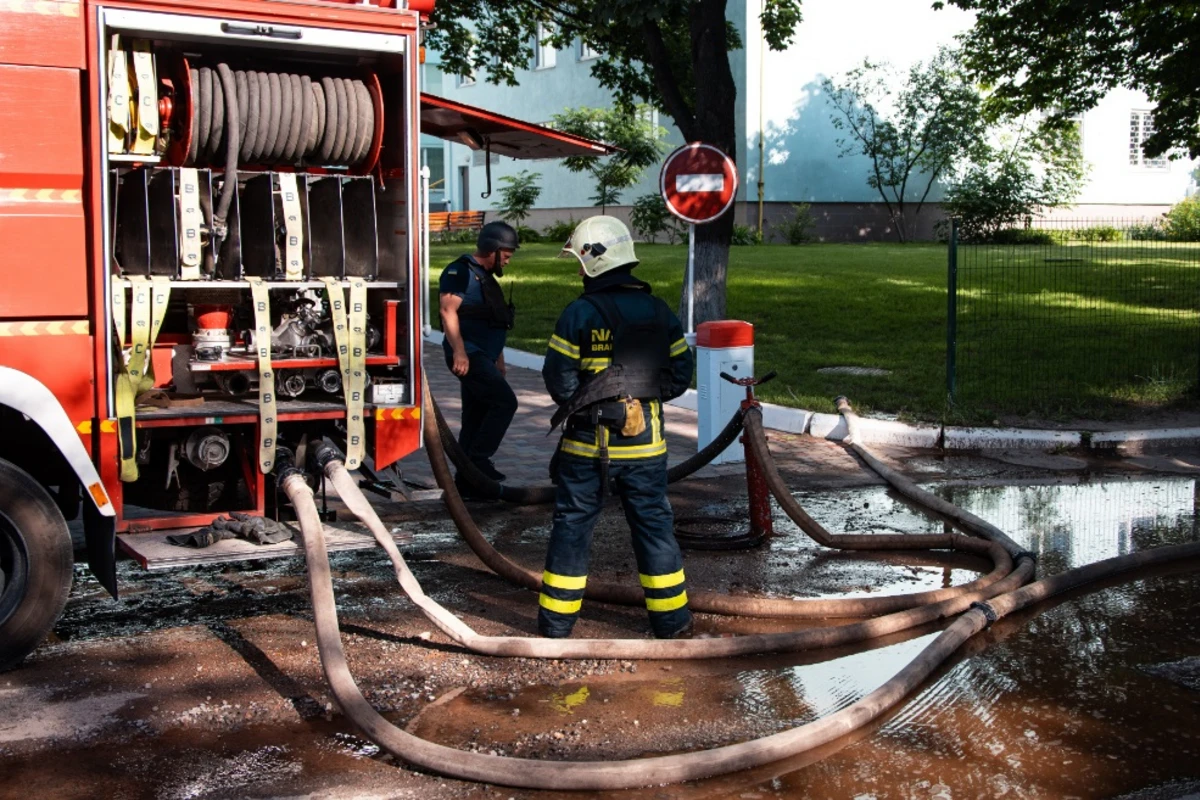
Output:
(715, 603)
(591, 775)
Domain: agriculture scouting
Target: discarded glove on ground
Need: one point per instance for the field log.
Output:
(257, 530)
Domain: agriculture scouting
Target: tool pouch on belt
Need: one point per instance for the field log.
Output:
(635, 421)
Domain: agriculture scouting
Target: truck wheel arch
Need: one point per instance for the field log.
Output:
(29, 396)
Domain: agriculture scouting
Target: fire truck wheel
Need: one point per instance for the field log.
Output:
(36, 562)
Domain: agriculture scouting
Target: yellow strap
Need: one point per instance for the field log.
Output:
(293, 227)
(119, 311)
(147, 93)
(150, 299)
(118, 97)
(267, 416)
(356, 395)
(351, 340)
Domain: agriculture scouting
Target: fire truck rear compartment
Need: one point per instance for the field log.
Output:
(246, 151)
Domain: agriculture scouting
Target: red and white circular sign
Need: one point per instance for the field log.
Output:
(698, 182)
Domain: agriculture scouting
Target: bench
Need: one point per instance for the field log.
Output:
(442, 221)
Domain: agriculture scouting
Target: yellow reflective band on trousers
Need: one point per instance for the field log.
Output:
(568, 582)
(615, 452)
(666, 603)
(661, 581)
(563, 606)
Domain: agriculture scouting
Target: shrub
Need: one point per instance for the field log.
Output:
(1146, 232)
(1183, 221)
(457, 237)
(528, 235)
(1034, 236)
(650, 217)
(1098, 233)
(518, 195)
(798, 228)
(560, 230)
(744, 235)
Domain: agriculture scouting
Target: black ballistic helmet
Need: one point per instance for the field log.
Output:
(497, 236)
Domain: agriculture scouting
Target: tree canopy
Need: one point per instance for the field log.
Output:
(671, 53)
(639, 140)
(913, 129)
(1063, 56)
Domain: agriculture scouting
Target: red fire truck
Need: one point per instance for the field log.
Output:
(211, 250)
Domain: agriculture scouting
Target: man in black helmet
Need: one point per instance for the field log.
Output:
(476, 320)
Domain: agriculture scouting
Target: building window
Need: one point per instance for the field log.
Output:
(1141, 125)
(585, 52)
(478, 155)
(545, 56)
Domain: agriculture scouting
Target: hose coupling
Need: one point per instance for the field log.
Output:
(285, 466)
(988, 611)
(322, 454)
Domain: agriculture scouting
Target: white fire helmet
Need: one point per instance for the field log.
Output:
(600, 244)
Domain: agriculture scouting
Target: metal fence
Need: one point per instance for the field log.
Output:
(1078, 317)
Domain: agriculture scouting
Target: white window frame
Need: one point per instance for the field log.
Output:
(545, 54)
(584, 52)
(1141, 126)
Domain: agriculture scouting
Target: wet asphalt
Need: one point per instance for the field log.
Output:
(205, 682)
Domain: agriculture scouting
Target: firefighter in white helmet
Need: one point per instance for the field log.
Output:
(616, 354)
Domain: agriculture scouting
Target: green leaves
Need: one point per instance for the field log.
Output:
(518, 195)
(1062, 56)
(911, 137)
(635, 132)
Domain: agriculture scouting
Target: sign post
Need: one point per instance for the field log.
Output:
(698, 183)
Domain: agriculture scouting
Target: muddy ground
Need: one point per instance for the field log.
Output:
(206, 683)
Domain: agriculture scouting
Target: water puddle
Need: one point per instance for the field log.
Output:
(1093, 695)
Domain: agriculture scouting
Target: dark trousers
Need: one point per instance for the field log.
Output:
(488, 407)
(642, 487)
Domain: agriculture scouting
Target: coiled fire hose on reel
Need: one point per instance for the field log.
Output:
(981, 609)
(272, 118)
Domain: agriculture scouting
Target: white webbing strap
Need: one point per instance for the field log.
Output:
(190, 220)
(350, 337)
(293, 227)
(267, 416)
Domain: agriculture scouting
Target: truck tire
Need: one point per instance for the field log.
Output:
(36, 564)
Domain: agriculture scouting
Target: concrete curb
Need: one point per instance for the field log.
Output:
(900, 434)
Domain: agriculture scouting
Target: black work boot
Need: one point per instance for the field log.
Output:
(683, 633)
(489, 469)
(468, 492)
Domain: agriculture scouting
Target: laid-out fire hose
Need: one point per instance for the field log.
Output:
(1006, 597)
(715, 603)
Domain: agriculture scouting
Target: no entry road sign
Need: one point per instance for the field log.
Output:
(698, 183)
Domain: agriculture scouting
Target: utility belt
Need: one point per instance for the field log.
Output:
(624, 416)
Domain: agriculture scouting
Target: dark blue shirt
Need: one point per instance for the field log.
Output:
(464, 278)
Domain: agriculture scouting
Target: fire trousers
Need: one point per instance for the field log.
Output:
(642, 486)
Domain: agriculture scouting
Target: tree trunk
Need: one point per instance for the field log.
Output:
(713, 123)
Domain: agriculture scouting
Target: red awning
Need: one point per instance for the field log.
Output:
(505, 136)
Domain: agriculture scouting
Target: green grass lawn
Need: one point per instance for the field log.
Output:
(884, 306)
